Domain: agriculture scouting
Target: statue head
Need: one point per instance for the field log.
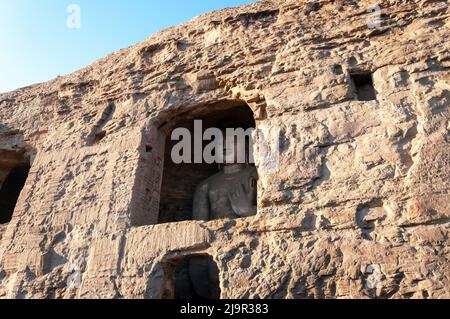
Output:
(231, 151)
(236, 143)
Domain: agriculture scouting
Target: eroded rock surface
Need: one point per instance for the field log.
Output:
(359, 207)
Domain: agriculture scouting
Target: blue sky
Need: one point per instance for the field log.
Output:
(36, 45)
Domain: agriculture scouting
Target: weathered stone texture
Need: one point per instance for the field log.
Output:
(362, 185)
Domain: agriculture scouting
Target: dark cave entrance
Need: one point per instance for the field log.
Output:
(365, 89)
(192, 278)
(10, 190)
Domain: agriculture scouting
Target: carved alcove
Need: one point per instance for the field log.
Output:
(192, 277)
(163, 190)
(14, 169)
(363, 86)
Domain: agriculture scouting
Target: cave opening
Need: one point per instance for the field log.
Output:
(365, 89)
(10, 189)
(165, 189)
(179, 180)
(193, 277)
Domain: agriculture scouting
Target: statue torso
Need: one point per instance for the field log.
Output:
(222, 184)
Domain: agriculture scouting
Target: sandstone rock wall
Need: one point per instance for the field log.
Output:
(361, 196)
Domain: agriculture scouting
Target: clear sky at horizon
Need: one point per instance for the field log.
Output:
(36, 44)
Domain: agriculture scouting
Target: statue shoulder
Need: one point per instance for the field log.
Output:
(205, 184)
(202, 187)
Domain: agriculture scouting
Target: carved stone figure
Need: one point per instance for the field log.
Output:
(230, 193)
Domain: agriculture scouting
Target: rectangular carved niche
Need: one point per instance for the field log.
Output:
(363, 83)
(163, 190)
(181, 180)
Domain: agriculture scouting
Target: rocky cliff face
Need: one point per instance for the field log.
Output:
(359, 206)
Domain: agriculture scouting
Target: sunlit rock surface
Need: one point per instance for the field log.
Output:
(358, 208)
